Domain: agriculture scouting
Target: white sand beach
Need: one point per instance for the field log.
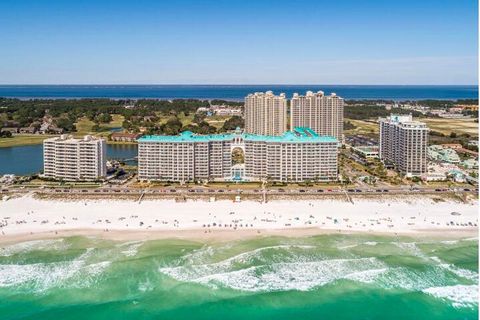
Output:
(28, 217)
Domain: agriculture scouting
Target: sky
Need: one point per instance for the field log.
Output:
(239, 42)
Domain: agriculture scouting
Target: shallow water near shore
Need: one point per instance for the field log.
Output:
(327, 276)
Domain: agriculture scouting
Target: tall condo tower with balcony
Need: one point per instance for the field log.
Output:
(266, 114)
(323, 114)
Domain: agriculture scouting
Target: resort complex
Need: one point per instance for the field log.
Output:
(266, 113)
(311, 149)
(69, 159)
(300, 155)
(323, 114)
(403, 142)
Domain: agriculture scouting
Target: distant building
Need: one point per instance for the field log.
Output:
(470, 163)
(221, 110)
(473, 143)
(55, 130)
(295, 156)
(124, 137)
(366, 152)
(9, 129)
(226, 110)
(266, 114)
(70, 159)
(454, 146)
(48, 128)
(28, 130)
(323, 114)
(404, 143)
(469, 107)
(442, 153)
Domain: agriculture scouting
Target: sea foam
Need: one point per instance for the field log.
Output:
(278, 276)
(28, 246)
(459, 295)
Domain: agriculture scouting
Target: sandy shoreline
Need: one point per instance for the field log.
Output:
(27, 218)
(199, 235)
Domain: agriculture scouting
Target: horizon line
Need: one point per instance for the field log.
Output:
(221, 84)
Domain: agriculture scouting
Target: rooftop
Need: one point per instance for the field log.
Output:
(403, 120)
(71, 139)
(298, 135)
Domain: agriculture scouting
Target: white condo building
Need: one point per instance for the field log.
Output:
(70, 159)
(299, 155)
(266, 113)
(404, 142)
(323, 114)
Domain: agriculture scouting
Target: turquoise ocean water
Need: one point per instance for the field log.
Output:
(322, 277)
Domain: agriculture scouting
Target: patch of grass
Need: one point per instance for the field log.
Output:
(447, 126)
(217, 121)
(363, 127)
(23, 140)
(84, 126)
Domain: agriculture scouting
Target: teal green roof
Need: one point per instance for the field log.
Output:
(299, 134)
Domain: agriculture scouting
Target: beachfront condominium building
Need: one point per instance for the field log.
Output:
(323, 114)
(403, 142)
(295, 156)
(266, 113)
(69, 159)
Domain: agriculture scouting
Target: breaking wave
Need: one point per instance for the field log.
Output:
(459, 295)
(278, 268)
(34, 245)
(40, 277)
(284, 276)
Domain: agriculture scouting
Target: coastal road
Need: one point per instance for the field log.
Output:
(231, 191)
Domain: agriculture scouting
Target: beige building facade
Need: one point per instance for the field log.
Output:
(266, 113)
(322, 113)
